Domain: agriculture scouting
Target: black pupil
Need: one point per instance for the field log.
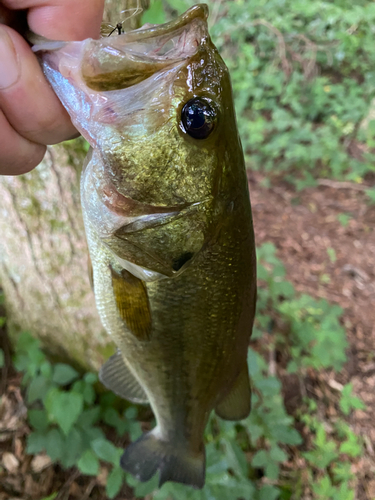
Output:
(198, 118)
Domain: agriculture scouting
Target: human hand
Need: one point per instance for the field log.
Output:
(31, 116)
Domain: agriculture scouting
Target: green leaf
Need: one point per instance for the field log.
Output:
(260, 459)
(135, 430)
(73, 448)
(38, 419)
(351, 446)
(36, 442)
(292, 366)
(236, 458)
(179, 5)
(64, 374)
(114, 482)
(111, 417)
(343, 219)
(93, 433)
(272, 470)
(26, 343)
(348, 401)
(38, 388)
(277, 454)
(143, 489)
(46, 370)
(64, 408)
(89, 417)
(51, 497)
(88, 463)
(2, 359)
(268, 492)
(331, 254)
(90, 378)
(106, 451)
(55, 444)
(131, 413)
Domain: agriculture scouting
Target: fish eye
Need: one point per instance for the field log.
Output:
(198, 117)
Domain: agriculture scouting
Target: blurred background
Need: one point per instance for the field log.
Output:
(303, 76)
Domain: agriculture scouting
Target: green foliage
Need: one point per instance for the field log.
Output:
(303, 80)
(315, 338)
(349, 402)
(332, 254)
(51, 497)
(65, 413)
(343, 219)
(329, 457)
(155, 14)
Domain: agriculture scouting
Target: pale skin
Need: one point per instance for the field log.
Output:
(31, 116)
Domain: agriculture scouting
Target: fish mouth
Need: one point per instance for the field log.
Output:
(121, 61)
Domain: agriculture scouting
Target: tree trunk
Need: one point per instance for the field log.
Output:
(43, 260)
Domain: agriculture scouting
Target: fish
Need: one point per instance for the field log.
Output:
(169, 228)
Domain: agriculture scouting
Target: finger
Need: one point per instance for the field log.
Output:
(17, 154)
(26, 99)
(62, 19)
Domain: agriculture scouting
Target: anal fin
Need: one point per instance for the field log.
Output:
(237, 403)
(117, 377)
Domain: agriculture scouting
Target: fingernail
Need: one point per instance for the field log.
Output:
(9, 68)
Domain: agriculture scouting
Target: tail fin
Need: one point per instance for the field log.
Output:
(149, 454)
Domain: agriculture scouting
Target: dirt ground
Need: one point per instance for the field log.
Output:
(303, 226)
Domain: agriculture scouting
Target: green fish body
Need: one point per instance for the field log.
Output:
(169, 228)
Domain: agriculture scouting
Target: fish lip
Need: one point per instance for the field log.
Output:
(115, 63)
(199, 11)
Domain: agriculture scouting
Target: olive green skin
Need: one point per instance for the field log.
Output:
(202, 314)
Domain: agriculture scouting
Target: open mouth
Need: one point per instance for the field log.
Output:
(121, 61)
(125, 60)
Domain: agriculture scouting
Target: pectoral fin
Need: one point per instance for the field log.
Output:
(117, 377)
(236, 404)
(90, 272)
(132, 303)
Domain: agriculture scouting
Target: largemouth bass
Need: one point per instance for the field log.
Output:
(169, 228)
